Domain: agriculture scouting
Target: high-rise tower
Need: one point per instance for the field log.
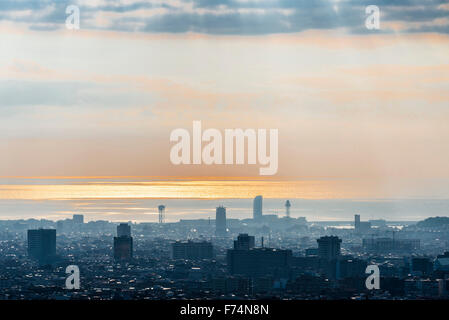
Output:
(220, 221)
(161, 209)
(329, 247)
(257, 208)
(356, 222)
(123, 243)
(123, 229)
(42, 245)
(287, 208)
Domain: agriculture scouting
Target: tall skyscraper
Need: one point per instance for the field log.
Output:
(356, 221)
(328, 247)
(42, 245)
(287, 208)
(123, 248)
(161, 210)
(123, 229)
(220, 221)
(257, 208)
(123, 243)
(78, 218)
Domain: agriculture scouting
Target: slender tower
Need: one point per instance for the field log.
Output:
(220, 222)
(257, 208)
(287, 208)
(357, 223)
(161, 213)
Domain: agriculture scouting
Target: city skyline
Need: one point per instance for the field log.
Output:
(136, 199)
(146, 210)
(297, 260)
(224, 157)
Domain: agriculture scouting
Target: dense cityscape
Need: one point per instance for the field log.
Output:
(266, 257)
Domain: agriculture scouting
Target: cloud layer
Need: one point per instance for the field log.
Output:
(231, 17)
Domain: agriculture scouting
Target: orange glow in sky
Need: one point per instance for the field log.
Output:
(196, 188)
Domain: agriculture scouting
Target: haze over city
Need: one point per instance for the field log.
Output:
(135, 164)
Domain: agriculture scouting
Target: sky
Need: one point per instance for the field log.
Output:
(362, 113)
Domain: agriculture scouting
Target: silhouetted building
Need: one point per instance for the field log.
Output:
(356, 221)
(348, 267)
(123, 248)
(244, 242)
(361, 227)
(257, 262)
(421, 266)
(308, 263)
(123, 243)
(78, 218)
(220, 221)
(257, 208)
(329, 247)
(123, 229)
(287, 208)
(161, 210)
(192, 250)
(42, 245)
(442, 262)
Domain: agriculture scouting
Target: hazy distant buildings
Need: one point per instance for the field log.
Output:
(387, 245)
(319, 269)
(42, 245)
(329, 247)
(257, 208)
(361, 227)
(75, 224)
(60, 226)
(192, 250)
(123, 243)
(378, 223)
(220, 221)
(78, 218)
